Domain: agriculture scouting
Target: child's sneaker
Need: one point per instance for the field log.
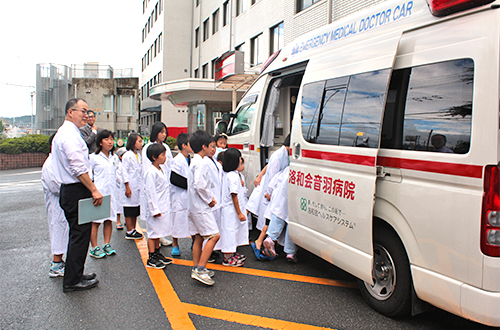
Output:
(210, 273)
(134, 235)
(97, 252)
(165, 241)
(232, 262)
(56, 269)
(202, 276)
(158, 255)
(292, 257)
(175, 252)
(241, 257)
(108, 249)
(153, 262)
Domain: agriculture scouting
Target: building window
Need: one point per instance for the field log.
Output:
(126, 105)
(156, 12)
(225, 12)
(197, 3)
(159, 42)
(143, 6)
(253, 2)
(206, 27)
(213, 67)
(108, 103)
(196, 37)
(240, 7)
(155, 48)
(160, 7)
(276, 42)
(204, 71)
(215, 21)
(303, 4)
(196, 73)
(159, 77)
(149, 24)
(256, 50)
(142, 35)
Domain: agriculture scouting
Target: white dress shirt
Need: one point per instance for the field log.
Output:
(70, 154)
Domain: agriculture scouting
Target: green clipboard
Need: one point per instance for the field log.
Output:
(87, 212)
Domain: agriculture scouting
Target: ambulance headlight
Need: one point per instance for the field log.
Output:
(494, 218)
(493, 237)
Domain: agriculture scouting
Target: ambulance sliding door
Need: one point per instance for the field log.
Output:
(335, 142)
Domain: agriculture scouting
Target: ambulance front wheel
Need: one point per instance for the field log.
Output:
(390, 293)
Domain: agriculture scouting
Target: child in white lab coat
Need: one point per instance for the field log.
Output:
(178, 192)
(156, 190)
(243, 200)
(220, 143)
(132, 178)
(201, 220)
(103, 166)
(158, 134)
(257, 203)
(233, 220)
(277, 211)
(58, 225)
(121, 189)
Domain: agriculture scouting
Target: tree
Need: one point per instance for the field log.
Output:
(2, 128)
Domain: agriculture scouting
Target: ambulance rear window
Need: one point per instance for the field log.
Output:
(429, 108)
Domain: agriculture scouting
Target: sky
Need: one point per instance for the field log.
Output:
(63, 32)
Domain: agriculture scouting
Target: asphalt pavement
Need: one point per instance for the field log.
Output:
(312, 294)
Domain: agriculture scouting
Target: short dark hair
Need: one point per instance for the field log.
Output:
(156, 129)
(71, 103)
(220, 156)
(242, 160)
(101, 136)
(155, 150)
(51, 138)
(286, 143)
(219, 136)
(132, 139)
(231, 159)
(182, 138)
(199, 139)
(89, 111)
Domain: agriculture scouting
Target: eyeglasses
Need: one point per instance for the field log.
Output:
(84, 111)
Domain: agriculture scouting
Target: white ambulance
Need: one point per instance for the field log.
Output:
(394, 173)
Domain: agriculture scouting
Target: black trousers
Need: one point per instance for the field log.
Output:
(79, 235)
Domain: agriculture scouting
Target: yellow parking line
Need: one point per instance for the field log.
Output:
(174, 309)
(177, 311)
(247, 319)
(271, 274)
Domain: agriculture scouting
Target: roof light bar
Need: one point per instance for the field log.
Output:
(446, 7)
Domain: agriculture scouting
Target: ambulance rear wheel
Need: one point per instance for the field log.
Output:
(390, 293)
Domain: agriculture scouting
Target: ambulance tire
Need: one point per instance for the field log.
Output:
(391, 293)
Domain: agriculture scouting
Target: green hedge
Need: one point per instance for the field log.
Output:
(25, 144)
(171, 142)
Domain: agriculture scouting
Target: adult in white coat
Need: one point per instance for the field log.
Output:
(132, 178)
(58, 226)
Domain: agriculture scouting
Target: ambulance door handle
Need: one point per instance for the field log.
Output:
(381, 173)
(246, 145)
(296, 150)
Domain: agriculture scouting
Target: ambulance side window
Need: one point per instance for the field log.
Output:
(311, 101)
(429, 108)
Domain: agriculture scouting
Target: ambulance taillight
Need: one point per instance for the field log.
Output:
(490, 217)
(446, 7)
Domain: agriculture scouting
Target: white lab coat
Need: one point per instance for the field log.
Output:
(179, 199)
(278, 189)
(120, 190)
(58, 225)
(277, 162)
(103, 172)
(156, 190)
(132, 173)
(146, 164)
(200, 216)
(233, 232)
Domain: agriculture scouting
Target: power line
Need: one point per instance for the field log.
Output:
(16, 85)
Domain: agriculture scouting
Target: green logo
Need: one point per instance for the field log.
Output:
(303, 204)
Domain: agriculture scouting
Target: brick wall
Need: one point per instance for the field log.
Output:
(9, 162)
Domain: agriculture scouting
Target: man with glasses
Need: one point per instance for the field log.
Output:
(71, 167)
(90, 131)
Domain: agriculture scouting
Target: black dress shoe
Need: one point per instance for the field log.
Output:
(90, 276)
(83, 285)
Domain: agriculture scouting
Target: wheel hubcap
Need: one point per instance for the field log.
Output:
(384, 274)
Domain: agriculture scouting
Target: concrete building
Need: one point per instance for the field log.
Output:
(188, 82)
(112, 94)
